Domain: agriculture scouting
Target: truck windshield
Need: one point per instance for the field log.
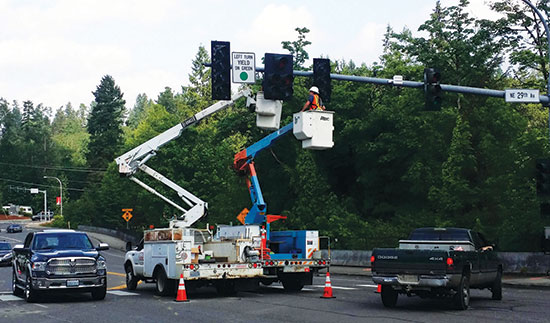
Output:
(61, 241)
(437, 235)
(5, 246)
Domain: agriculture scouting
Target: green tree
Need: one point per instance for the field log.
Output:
(105, 123)
(297, 48)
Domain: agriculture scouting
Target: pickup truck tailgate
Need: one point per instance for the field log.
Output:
(402, 261)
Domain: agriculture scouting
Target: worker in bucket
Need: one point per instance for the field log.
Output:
(314, 101)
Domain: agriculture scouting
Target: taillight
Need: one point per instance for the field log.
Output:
(450, 262)
(255, 265)
(371, 259)
(191, 266)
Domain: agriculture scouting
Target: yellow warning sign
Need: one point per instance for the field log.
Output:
(242, 215)
(127, 215)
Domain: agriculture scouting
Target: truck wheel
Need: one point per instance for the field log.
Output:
(292, 285)
(389, 296)
(164, 286)
(30, 294)
(131, 279)
(14, 288)
(99, 293)
(496, 289)
(462, 297)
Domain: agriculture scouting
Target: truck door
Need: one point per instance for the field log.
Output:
(22, 259)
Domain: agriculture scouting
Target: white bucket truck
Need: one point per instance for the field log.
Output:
(227, 260)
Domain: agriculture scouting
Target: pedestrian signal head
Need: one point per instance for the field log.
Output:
(314, 89)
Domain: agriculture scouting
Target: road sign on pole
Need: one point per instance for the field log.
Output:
(244, 67)
(522, 96)
(127, 215)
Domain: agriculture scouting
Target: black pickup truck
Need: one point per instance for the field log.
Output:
(59, 260)
(437, 262)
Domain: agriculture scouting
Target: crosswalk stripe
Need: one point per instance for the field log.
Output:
(121, 293)
(7, 298)
(372, 286)
(336, 287)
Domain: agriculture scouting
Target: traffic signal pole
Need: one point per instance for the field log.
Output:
(544, 99)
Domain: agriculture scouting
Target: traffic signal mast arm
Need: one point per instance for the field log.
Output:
(135, 159)
(244, 165)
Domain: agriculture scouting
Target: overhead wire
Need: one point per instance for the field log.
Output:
(41, 185)
(61, 168)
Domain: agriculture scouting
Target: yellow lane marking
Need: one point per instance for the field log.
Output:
(121, 286)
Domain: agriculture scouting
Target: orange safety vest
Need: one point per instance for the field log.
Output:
(315, 104)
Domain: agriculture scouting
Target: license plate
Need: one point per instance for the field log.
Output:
(72, 283)
(408, 278)
(194, 274)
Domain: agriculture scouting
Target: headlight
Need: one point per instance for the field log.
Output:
(39, 266)
(101, 264)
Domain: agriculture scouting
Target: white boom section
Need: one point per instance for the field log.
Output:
(135, 159)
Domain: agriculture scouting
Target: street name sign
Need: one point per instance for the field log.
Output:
(244, 67)
(521, 96)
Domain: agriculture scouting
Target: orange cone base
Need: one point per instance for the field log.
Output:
(328, 296)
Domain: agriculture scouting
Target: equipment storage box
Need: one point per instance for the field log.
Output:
(294, 244)
(268, 112)
(314, 129)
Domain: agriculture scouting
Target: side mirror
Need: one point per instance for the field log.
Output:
(102, 246)
(20, 248)
(128, 245)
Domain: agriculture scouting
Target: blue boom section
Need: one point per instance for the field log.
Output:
(244, 161)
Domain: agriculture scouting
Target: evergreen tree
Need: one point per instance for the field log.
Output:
(105, 123)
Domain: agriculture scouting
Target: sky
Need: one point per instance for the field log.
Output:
(55, 52)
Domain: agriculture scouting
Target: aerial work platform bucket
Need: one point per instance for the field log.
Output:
(314, 129)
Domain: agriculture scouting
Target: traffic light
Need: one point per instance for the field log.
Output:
(321, 77)
(432, 89)
(278, 76)
(543, 177)
(221, 70)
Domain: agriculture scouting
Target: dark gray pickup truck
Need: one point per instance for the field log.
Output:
(59, 260)
(437, 262)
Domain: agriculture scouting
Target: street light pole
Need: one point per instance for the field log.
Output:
(545, 24)
(60, 192)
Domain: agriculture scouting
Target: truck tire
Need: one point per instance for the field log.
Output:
(30, 294)
(496, 289)
(164, 286)
(14, 288)
(461, 299)
(292, 285)
(131, 279)
(99, 293)
(389, 296)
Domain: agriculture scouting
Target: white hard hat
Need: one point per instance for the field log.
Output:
(314, 89)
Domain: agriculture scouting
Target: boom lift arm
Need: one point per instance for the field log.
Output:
(130, 162)
(244, 164)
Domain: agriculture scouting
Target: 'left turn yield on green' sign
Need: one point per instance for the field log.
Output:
(244, 67)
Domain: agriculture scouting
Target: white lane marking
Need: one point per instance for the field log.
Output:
(7, 298)
(372, 286)
(281, 287)
(121, 293)
(336, 287)
(43, 306)
(12, 239)
(6, 293)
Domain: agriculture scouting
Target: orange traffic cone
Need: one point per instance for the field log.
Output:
(182, 295)
(379, 289)
(328, 288)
